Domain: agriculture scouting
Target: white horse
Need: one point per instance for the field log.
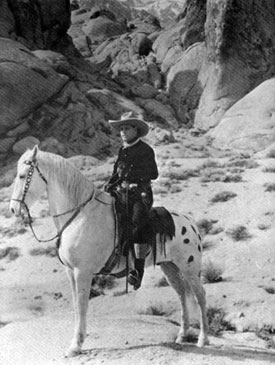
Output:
(86, 236)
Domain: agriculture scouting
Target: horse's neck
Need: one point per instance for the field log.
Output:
(67, 187)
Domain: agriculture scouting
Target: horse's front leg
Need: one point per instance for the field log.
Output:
(71, 277)
(83, 279)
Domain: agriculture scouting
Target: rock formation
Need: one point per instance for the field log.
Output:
(68, 68)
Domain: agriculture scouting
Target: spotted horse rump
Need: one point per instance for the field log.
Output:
(185, 247)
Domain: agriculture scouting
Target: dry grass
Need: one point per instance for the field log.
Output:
(180, 175)
(217, 322)
(269, 187)
(239, 233)
(267, 333)
(206, 226)
(270, 289)
(269, 169)
(223, 196)
(211, 273)
(271, 154)
(155, 309)
(10, 253)
(12, 231)
(247, 163)
(49, 251)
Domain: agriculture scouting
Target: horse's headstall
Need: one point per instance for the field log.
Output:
(30, 162)
(33, 164)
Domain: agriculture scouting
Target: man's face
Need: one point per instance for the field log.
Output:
(128, 133)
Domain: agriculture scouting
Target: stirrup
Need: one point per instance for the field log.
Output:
(134, 279)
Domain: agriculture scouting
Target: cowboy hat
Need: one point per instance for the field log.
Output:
(132, 118)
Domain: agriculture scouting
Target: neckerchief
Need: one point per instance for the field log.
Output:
(127, 145)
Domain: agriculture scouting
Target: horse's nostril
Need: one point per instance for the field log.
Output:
(12, 210)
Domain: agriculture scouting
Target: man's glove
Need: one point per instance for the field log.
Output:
(107, 187)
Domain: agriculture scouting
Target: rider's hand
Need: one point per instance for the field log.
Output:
(107, 187)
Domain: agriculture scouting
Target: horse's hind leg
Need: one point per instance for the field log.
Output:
(83, 279)
(199, 292)
(175, 279)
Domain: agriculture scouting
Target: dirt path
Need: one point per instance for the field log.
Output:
(135, 340)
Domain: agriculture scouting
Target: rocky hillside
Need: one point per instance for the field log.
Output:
(68, 68)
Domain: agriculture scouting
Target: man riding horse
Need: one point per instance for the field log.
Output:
(133, 171)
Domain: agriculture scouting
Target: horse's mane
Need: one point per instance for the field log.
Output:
(72, 180)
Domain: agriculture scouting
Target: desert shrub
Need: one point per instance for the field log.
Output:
(11, 253)
(104, 281)
(205, 225)
(211, 272)
(101, 282)
(155, 309)
(233, 178)
(271, 154)
(220, 175)
(236, 170)
(119, 293)
(3, 323)
(207, 245)
(160, 190)
(262, 226)
(175, 189)
(180, 175)
(223, 196)
(267, 333)
(239, 233)
(213, 175)
(270, 187)
(247, 163)
(162, 282)
(12, 231)
(46, 251)
(269, 169)
(270, 289)
(216, 230)
(210, 163)
(217, 322)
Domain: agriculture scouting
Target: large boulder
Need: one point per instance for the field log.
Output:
(26, 83)
(101, 28)
(240, 51)
(187, 30)
(7, 22)
(37, 24)
(250, 123)
(240, 42)
(183, 85)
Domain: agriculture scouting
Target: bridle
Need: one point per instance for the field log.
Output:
(34, 165)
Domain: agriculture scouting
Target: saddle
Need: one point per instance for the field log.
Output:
(161, 223)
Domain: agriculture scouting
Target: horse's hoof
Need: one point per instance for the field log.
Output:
(73, 353)
(180, 340)
(202, 342)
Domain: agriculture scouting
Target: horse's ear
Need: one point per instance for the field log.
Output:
(34, 152)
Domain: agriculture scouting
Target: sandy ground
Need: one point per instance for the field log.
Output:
(36, 317)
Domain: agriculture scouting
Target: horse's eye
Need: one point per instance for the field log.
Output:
(22, 176)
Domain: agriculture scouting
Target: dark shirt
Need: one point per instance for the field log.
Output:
(139, 164)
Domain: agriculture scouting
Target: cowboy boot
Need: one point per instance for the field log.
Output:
(136, 275)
